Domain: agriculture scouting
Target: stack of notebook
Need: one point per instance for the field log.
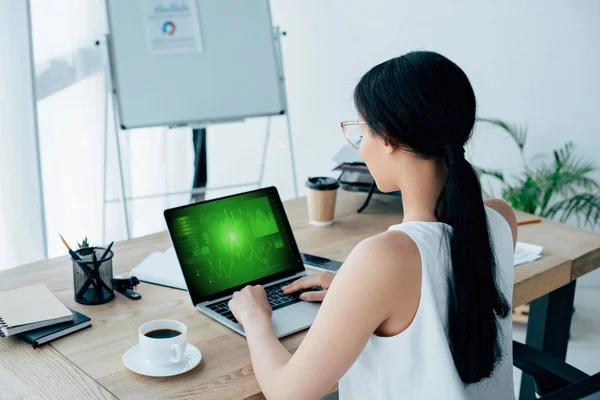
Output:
(36, 315)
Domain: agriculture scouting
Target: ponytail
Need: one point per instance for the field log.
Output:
(475, 302)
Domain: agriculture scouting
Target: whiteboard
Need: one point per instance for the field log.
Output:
(233, 73)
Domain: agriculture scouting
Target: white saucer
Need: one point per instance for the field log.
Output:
(133, 360)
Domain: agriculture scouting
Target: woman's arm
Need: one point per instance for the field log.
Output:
(362, 296)
(502, 208)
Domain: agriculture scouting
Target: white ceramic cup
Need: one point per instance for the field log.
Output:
(163, 352)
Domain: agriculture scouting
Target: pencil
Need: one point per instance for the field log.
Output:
(71, 252)
(529, 221)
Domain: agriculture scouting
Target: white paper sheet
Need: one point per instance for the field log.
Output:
(525, 252)
(161, 269)
(172, 26)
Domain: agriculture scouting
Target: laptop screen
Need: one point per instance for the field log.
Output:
(227, 243)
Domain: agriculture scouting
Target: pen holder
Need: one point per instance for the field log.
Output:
(92, 276)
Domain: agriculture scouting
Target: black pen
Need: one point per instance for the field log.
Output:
(106, 251)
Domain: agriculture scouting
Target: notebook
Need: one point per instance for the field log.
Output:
(28, 308)
(161, 269)
(44, 335)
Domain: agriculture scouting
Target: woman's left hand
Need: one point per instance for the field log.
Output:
(251, 302)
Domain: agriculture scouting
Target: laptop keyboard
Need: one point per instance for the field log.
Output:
(277, 299)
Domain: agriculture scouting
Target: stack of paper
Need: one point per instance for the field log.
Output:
(525, 252)
(161, 269)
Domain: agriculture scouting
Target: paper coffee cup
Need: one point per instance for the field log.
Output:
(321, 197)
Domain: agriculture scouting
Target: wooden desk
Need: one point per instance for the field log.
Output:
(88, 364)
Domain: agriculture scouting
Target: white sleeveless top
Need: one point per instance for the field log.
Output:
(417, 363)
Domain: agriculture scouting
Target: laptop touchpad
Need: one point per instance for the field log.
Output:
(294, 318)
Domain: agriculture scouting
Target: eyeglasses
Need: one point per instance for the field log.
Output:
(352, 132)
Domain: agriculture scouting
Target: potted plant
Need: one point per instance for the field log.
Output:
(558, 188)
(84, 248)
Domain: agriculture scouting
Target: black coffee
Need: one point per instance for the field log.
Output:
(162, 333)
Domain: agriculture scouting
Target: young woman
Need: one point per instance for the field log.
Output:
(421, 311)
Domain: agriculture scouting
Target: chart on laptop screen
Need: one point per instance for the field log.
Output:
(231, 241)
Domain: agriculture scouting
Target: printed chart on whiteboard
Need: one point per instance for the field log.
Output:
(172, 26)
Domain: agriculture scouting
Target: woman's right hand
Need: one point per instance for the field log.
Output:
(321, 280)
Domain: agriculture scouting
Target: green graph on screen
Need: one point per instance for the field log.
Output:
(237, 252)
(262, 219)
(229, 242)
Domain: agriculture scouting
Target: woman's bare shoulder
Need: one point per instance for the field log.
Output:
(391, 253)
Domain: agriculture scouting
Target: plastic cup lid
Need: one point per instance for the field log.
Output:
(322, 183)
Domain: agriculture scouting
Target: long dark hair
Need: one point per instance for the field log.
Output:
(424, 103)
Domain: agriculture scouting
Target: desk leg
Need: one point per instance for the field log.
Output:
(548, 329)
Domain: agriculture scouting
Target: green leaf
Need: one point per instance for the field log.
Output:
(84, 243)
(584, 206)
(85, 248)
(489, 172)
(574, 170)
(517, 133)
(525, 196)
(568, 176)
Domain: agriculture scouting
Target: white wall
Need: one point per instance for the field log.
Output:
(21, 225)
(534, 62)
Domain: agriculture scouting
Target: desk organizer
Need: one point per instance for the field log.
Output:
(92, 276)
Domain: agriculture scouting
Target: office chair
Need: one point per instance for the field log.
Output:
(554, 379)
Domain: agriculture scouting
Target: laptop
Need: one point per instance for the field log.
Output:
(225, 244)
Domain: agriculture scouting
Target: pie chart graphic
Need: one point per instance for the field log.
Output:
(168, 28)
